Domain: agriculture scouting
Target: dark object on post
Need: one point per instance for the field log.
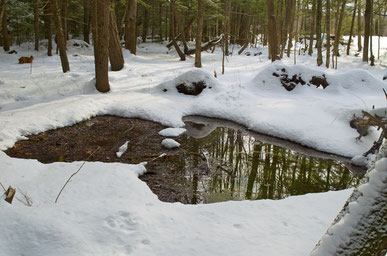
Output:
(9, 194)
(318, 80)
(193, 89)
(12, 52)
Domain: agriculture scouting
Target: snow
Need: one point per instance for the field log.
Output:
(172, 132)
(122, 149)
(107, 210)
(170, 143)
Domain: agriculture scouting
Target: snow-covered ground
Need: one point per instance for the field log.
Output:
(107, 210)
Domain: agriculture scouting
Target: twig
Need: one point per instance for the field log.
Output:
(72, 175)
(3, 186)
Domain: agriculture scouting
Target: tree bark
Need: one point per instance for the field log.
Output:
(178, 20)
(115, 50)
(291, 28)
(145, 24)
(199, 31)
(64, 18)
(60, 36)
(173, 22)
(318, 33)
(312, 28)
(47, 24)
(36, 24)
(352, 24)
(4, 29)
(367, 28)
(272, 31)
(338, 30)
(131, 26)
(359, 47)
(101, 47)
(227, 26)
(328, 31)
(86, 21)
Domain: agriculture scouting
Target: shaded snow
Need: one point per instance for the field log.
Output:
(170, 143)
(172, 132)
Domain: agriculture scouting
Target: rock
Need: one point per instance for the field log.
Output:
(195, 88)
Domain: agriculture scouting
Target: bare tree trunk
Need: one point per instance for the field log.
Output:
(318, 33)
(145, 24)
(227, 26)
(47, 23)
(115, 49)
(359, 47)
(291, 28)
(173, 22)
(198, 52)
(338, 30)
(272, 31)
(160, 22)
(86, 21)
(312, 28)
(4, 25)
(352, 24)
(367, 28)
(101, 47)
(64, 19)
(328, 31)
(372, 59)
(36, 24)
(178, 20)
(131, 26)
(287, 25)
(60, 37)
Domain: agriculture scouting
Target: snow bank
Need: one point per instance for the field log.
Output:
(172, 132)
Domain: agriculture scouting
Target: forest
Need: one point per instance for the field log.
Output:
(193, 127)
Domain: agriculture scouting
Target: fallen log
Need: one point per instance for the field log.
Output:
(169, 45)
(207, 45)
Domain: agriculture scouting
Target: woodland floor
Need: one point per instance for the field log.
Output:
(99, 138)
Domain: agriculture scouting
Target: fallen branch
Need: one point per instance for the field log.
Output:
(207, 45)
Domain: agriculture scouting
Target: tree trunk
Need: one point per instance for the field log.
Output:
(160, 22)
(328, 31)
(36, 24)
(177, 20)
(64, 19)
(227, 27)
(101, 48)
(47, 24)
(372, 59)
(131, 26)
(367, 28)
(360, 228)
(4, 25)
(86, 21)
(115, 49)
(272, 31)
(287, 25)
(291, 28)
(338, 30)
(352, 24)
(359, 47)
(173, 22)
(312, 28)
(318, 33)
(145, 23)
(60, 36)
(199, 31)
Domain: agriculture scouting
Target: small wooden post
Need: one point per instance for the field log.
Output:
(9, 194)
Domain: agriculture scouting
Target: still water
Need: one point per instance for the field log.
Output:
(223, 161)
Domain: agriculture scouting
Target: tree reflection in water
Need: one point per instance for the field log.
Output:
(230, 164)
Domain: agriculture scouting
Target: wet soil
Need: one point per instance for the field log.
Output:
(99, 138)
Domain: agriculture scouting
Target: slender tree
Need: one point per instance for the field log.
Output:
(47, 17)
(101, 45)
(115, 51)
(272, 31)
(318, 33)
(338, 30)
(36, 24)
(60, 36)
(145, 24)
(199, 32)
(227, 27)
(352, 24)
(86, 21)
(359, 47)
(328, 31)
(64, 18)
(312, 28)
(173, 22)
(367, 28)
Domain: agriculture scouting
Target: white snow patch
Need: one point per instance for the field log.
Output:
(172, 132)
(170, 143)
(122, 149)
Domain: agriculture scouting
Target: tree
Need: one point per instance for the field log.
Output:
(338, 31)
(47, 17)
(312, 28)
(173, 22)
(86, 21)
(199, 32)
(318, 33)
(4, 27)
(367, 29)
(36, 24)
(328, 31)
(272, 31)
(64, 18)
(131, 26)
(115, 50)
(359, 47)
(60, 36)
(352, 24)
(101, 44)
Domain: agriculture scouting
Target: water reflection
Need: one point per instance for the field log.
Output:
(229, 163)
